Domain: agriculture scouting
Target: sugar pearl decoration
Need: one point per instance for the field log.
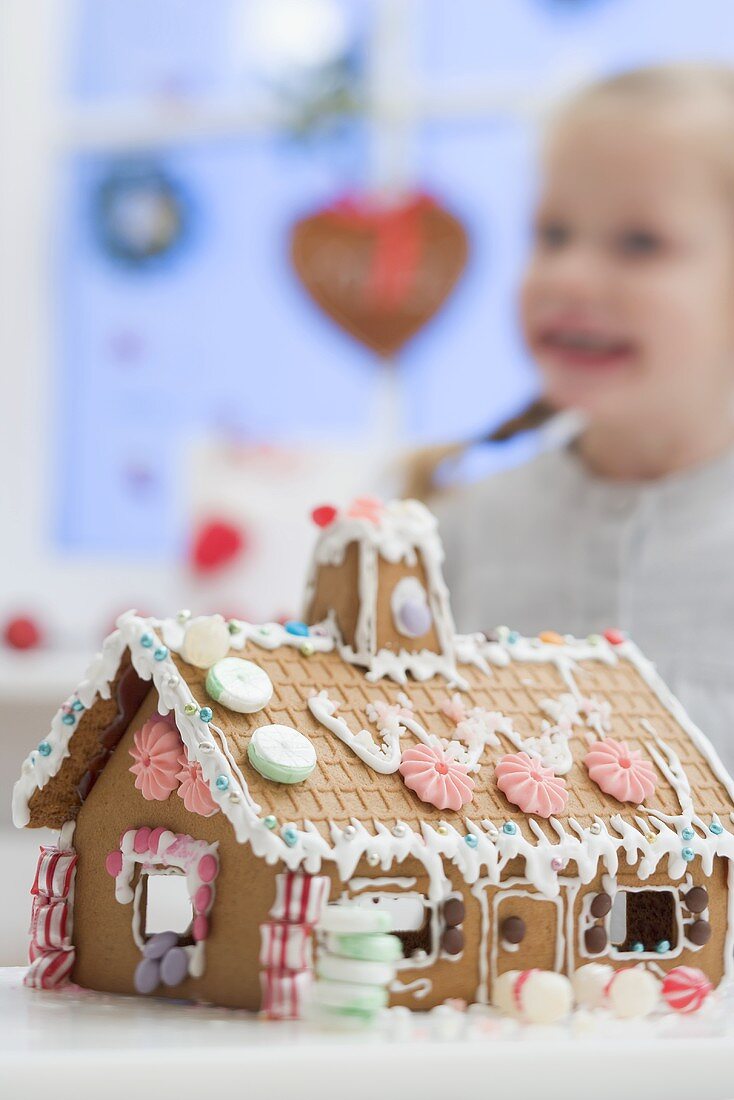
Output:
(399, 829)
(44, 748)
(595, 828)
(716, 828)
(688, 854)
(222, 782)
(206, 714)
(687, 833)
(510, 828)
(270, 821)
(470, 840)
(373, 859)
(349, 832)
(557, 864)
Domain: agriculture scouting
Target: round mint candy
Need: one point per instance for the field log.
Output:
(281, 753)
(349, 919)
(374, 947)
(239, 685)
(349, 996)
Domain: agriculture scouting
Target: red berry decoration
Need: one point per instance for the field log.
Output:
(685, 988)
(22, 633)
(216, 543)
(614, 637)
(324, 515)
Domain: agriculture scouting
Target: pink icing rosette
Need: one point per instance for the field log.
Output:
(436, 777)
(157, 747)
(620, 771)
(529, 785)
(194, 789)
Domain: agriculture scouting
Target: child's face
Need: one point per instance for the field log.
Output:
(628, 299)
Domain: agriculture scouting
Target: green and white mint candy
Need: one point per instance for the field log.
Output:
(239, 685)
(281, 753)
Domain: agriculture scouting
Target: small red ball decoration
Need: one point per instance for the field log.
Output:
(22, 633)
(614, 637)
(216, 543)
(685, 988)
(324, 515)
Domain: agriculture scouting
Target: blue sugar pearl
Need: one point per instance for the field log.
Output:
(471, 840)
(146, 640)
(716, 828)
(688, 834)
(206, 714)
(510, 828)
(77, 705)
(290, 836)
(688, 854)
(68, 719)
(161, 653)
(638, 947)
(295, 626)
(513, 637)
(663, 947)
(44, 748)
(222, 782)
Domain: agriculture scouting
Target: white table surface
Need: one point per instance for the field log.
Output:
(72, 1043)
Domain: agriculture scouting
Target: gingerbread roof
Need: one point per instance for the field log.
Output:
(347, 809)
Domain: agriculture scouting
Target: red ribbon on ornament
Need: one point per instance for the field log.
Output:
(398, 242)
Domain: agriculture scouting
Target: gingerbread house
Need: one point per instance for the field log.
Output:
(511, 802)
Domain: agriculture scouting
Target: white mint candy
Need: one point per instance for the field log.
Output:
(281, 753)
(633, 992)
(503, 992)
(339, 969)
(206, 640)
(544, 997)
(239, 685)
(590, 984)
(354, 918)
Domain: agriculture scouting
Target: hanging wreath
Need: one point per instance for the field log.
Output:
(141, 214)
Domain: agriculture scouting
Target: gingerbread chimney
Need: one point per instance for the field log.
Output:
(376, 578)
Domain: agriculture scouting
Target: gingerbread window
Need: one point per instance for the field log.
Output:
(644, 921)
(411, 921)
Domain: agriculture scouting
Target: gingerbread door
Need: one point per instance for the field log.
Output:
(527, 931)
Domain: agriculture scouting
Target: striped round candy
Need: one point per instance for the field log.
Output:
(239, 685)
(685, 988)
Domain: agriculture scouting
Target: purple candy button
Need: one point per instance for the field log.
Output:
(158, 944)
(147, 976)
(174, 966)
(414, 618)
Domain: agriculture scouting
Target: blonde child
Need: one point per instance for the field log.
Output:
(627, 307)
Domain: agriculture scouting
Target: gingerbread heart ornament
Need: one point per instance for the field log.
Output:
(380, 272)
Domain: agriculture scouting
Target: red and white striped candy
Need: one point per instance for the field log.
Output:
(299, 898)
(49, 925)
(55, 873)
(285, 946)
(50, 969)
(685, 988)
(284, 993)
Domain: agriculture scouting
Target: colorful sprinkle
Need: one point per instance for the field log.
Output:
(160, 653)
(296, 627)
(290, 836)
(638, 947)
(688, 854)
(206, 714)
(471, 840)
(716, 828)
(442, 830)
(510, 828)
(270, 821)
(307, 649)
(663, 947)
(687, 833)
(324, 515)
(146, 640)
(44, 748)
(551, 637)
(190, 708)
(221, 782)
(614, 636)
(68, 719)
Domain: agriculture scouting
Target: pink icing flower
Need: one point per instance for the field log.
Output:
(436, 778)
(156, 755)
(529, 785)
(620, 771)
(194, 789)
(369, 508)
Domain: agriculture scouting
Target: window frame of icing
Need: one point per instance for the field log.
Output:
(648, 954)
(432, 918)
(131, 883)
(141, 933)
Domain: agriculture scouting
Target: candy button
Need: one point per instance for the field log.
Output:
(239, 685)
(206, 640)
(297, 628)
(371, 948)
(340, 969)
(159, 944)
(281, 753)
(354, 918)
(349, 996)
